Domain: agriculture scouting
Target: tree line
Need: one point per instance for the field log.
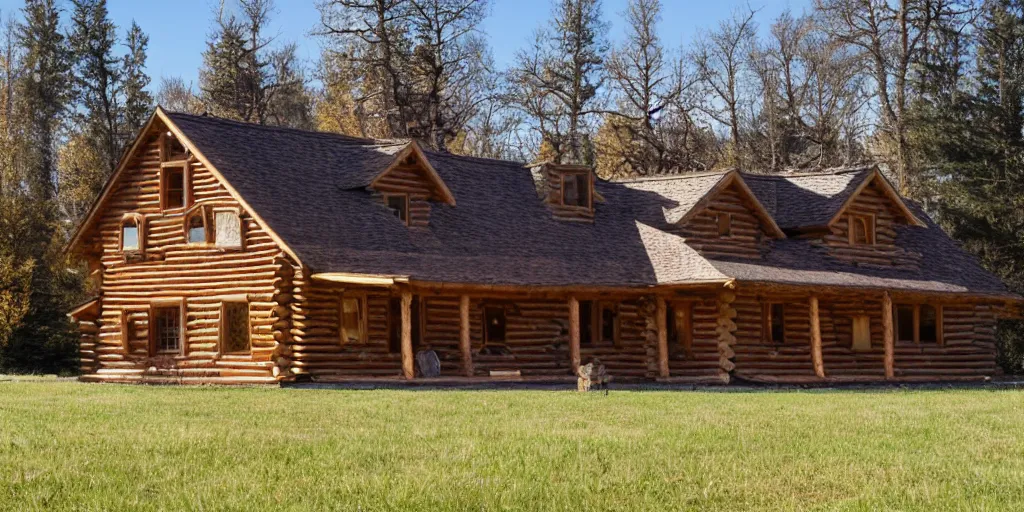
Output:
(931, 90)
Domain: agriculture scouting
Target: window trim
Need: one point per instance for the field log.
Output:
(588, 176)
(362, 310)
(241, 228)
(408, 203)
(140, 225)
(202, 213)
(186, 196)
(869, 228)
(222, 327)
(151, 326)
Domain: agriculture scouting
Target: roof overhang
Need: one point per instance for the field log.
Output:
(887, 189)
(360, 279)
(734, 178)
(89, 310)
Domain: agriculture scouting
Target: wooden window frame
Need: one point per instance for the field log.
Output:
(916, 319)
(202, 213)
(241, 229)
(869, 228)
(222, 328)
(590, 189)
(151, 327)
(408, 203)
(186, 181)
(767, 320)
(724, 221)
(362, 319)
(140, 225)
(484, 336)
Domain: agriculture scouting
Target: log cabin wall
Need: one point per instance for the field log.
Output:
(550, 183)
(699, 361)
(871, 203)
(746, 238)
(967, 349)
(200, 277)
(758, 357)
(409, 180)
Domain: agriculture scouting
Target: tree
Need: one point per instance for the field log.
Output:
(97, 80)
(177, 96)
(557, 80)
(138, 102)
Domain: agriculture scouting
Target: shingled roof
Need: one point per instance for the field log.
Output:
(310, 189)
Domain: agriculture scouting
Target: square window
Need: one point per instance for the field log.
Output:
(353, 320)
(235, 328)
(400, 205)
(167, 329)
(228, 228)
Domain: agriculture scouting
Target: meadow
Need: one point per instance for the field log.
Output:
(72, 446)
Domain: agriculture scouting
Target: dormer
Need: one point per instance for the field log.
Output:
(724, 218)
(409, 185)
(567, 189)
(863, 229)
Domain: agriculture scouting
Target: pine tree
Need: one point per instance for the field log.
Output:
(137, 101)
(97, 80)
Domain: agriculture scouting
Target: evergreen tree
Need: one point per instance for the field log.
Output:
(138, 102)
(97, 81)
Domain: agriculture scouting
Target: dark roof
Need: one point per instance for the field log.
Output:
(310, 190)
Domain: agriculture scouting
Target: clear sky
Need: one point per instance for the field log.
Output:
(178, 28)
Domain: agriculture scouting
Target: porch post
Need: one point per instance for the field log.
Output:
(662, 322)
(816, 357)
(887, 336)
(574, 334)
(464, 344)
(408, 368)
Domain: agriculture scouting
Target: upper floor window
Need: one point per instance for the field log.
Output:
(576, 189)
(172, 187)
(228, 227)
(400, 204)
(195, 227)
(724, 224)
(132, 232)
(862, 230)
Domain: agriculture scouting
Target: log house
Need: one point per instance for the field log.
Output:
(224, 252)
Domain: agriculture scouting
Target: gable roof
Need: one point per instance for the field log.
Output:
(412, 148)
(309, 189)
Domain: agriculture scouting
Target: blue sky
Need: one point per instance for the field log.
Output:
(178, 28)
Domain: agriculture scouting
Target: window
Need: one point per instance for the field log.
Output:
(773, 329)
(400, 204)
(861, 333)
(353, 319)
(918, 323)
(905, 323)
(576, 190)
(172, 187)
(586, 322)
(494, 324)
(195, 228)
(228, 227)
(680, 325)
(131, 239)
(234, 327)
(609, 319)
(724, 224)
(862, 230)
(167, 329)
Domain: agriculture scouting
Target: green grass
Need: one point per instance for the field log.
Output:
(65, 445)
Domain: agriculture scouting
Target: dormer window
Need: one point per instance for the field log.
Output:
(400, 205)
(576, 190)
(862, 230)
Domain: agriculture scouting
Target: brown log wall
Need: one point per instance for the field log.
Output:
(411, 181)
(884, 252)
(748, 238)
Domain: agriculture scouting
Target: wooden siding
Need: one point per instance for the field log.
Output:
(748, 238)
(871, 202)
(551, 181)
(198, 276)
(409, 180)
(702, 361)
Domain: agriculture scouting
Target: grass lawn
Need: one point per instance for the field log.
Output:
(65, 445)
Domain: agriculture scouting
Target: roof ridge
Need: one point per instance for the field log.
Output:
(471, 157)
(834, 171)
(670, 177)
(333, 135)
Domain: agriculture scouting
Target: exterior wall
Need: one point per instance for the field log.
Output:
(748, 238)
(199, 276)
(411, 181)
(885, 253)
(702, 361)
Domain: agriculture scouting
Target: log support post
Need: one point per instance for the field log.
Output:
(574, 334)
(726, 328)
(464, 341)
(888, 336)
(816, 357)
(661, 314)
(408, 366)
